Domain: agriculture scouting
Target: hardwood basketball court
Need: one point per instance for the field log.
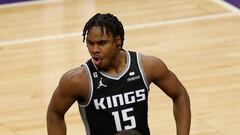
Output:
(198, 40)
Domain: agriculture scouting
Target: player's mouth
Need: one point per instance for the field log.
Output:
(96, 60)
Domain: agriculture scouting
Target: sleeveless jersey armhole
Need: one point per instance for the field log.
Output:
(140, 65)
(90, 84)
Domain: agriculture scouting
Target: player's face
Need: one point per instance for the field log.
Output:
(102, 47)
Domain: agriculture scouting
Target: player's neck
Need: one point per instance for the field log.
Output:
(118, 64)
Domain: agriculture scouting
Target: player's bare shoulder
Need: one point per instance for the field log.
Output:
(154, 67)
(75, 81)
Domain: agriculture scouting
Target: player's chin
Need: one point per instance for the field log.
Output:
(99, 66)
(102, 66)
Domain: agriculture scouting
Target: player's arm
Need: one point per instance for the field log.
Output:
(158, 73)
(71, 86)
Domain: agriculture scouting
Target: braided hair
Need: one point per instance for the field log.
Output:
(110, 22)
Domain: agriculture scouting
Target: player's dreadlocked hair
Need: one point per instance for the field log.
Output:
(110, 22)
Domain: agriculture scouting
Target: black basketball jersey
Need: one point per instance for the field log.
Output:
(116, 102)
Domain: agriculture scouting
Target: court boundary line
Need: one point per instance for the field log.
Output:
(27, 3)
(227, 6)
(178, 21)
(127, 28)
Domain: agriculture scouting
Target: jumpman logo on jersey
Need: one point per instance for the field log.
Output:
(101, 84)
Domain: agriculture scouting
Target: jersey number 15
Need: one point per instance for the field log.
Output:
(125, 118)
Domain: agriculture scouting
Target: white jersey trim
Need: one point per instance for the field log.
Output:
(90, 83)
(85, 120)
(140, 65)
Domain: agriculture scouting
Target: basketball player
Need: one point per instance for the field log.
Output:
(112, 87)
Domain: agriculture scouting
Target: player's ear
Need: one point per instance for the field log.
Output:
(118, 41)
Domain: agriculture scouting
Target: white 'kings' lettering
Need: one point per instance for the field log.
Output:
(120, 99)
